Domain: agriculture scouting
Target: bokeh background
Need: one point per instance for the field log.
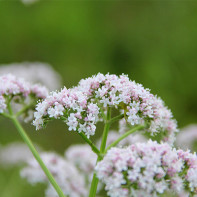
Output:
(154, 42)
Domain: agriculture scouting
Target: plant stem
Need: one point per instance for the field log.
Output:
(116, 118)
(139, 127)
(94, 148)
(105, 132)
(36, 155)
(95, 180)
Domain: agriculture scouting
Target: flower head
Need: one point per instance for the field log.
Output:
(65, 173)
(34, 72)
(82, 106)
(19, 93)
(147, 169)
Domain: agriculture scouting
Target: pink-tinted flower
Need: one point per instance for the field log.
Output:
(84, 103)
(147, 169)
(19, 93)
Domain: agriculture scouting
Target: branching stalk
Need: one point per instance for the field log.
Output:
(116, 118)
(36, 155)
(94, 148)
(29, 143)
(95, 180)
(139, 127)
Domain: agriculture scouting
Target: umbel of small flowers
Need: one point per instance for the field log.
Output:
(92, 100)
(17, 98)
(81, 107)
(18, 94)
(148, 169)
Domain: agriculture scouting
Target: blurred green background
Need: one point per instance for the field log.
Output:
(154, 42)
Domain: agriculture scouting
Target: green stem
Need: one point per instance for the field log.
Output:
(9, 108)
(116, 118)
(139, 127)
(5, 115)
(105, 132)
(95, 180)
(94, 148)
(36, 155)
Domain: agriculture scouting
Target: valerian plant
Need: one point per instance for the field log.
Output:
(134, 169)
(17, 98)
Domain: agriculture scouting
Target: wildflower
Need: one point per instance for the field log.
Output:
(84, 104)
(34, 72)
(187, 137)
(19, 93)
(147, 169)
(14, 154)
(65, 173)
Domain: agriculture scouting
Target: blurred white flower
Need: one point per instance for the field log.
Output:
(187, 137)
(34, 72)
(14, 154)
(29, 2)
(65, 173)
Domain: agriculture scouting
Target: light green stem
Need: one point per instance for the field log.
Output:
(116, 118)
(36, 155)
(95, 180)
(139, 127)
(94, 148)
(29, 143)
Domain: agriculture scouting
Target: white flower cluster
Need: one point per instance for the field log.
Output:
(34, 72)
(65, 173)
(187, 137)
(2, 104)
(82, 157)
(72, 107)
(14, 154)
(19, 92)
(148, 169)
(81, 105)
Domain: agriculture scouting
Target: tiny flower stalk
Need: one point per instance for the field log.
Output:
(137, 128)
(95, 180)
(94, 148)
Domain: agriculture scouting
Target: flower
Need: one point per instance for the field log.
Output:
(65, 173)
(72, 108)
(34, 72)
(14, 154)
(187, 137)
(83, 105)
(147, 169)
(82, 157)
(19, 93)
